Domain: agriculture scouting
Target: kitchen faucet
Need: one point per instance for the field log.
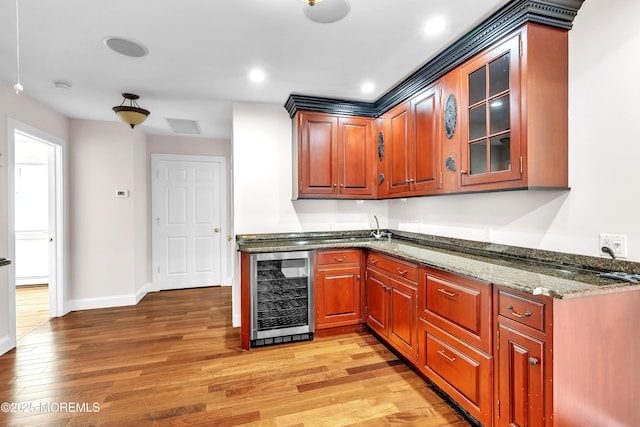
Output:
(379, 234)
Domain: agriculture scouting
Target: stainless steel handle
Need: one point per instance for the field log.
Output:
(447, 293)
(516, 314)
(442, 353)
(533, 361)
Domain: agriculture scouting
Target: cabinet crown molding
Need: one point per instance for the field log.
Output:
(553, 13)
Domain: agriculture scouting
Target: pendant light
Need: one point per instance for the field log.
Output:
(131, 114)
(312, 2)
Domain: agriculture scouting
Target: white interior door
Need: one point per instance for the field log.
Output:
(188, 221)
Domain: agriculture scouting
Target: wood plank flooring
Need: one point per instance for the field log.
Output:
(32, 308)
(175, 360)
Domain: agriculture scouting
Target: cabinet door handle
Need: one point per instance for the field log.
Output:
(335, 185)
(463, 172)
(516, 314)
(339, 259)
(358, 277)
(533, 361)
(373, 261)
(447, 293)
(402, 272)
(442, 353)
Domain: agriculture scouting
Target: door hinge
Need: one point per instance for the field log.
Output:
(498, 339)
(521, 47)
(521, 165)
(498, 409)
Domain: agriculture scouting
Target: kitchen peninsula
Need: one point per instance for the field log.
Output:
(511, 335)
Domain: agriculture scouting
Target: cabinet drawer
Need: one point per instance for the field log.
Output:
(527, 311)
(338, 256)
(462, 372)
(394, 266)
(460, 306)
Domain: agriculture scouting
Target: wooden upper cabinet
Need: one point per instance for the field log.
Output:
(334, 156)
(513, 112)
(412, 145)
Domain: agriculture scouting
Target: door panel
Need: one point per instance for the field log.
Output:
(521, 384)
(187, 223)
(426, 153)
(377, 302)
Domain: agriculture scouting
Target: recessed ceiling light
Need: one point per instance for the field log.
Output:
(434, 26)
(257, 76)
(125, 47)
(367, 87)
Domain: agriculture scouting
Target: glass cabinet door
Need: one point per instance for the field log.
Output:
(490, 115)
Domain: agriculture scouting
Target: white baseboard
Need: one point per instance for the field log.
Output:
(5, 344)
(236, 322)
(142, 292)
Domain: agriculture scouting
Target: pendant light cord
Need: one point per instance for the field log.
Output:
(18, 86)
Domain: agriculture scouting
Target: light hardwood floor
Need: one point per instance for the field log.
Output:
(32, 308)
(174, 359)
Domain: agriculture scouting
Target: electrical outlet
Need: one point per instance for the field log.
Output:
(616, 242)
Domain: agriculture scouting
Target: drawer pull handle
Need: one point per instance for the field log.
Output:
(516, 314)
(402, 272)
(373, 261)
(447, 293)
(442, 353)
(339, 259)
(533, 361)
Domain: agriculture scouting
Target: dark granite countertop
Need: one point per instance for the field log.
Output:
(538, 272)
(4, 261)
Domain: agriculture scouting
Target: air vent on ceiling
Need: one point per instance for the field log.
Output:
(184, 126)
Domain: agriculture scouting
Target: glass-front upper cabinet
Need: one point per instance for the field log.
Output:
(490, 115)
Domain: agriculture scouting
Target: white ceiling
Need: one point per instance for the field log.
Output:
(201, 52)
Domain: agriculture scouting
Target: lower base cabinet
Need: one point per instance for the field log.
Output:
(391, 301)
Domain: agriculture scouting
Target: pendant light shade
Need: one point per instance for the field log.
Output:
(131, 114)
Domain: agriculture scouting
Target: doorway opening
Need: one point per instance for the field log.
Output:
(32, 164)
(35, 178)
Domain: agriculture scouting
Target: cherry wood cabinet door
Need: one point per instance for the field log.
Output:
(356, 174)
(318, 170)
(403, 318)
(521, 368)
(426, 167)
(490, 115)
(338, 297)
(397, 149)
(377, 302)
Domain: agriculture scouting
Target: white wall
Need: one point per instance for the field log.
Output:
(262, 180)
(25, 110)
(108, 239)
(604, 148)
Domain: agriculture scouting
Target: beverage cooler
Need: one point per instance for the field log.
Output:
(281, 297)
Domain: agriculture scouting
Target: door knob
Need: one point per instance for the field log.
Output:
(533, 361)
(217, 230)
